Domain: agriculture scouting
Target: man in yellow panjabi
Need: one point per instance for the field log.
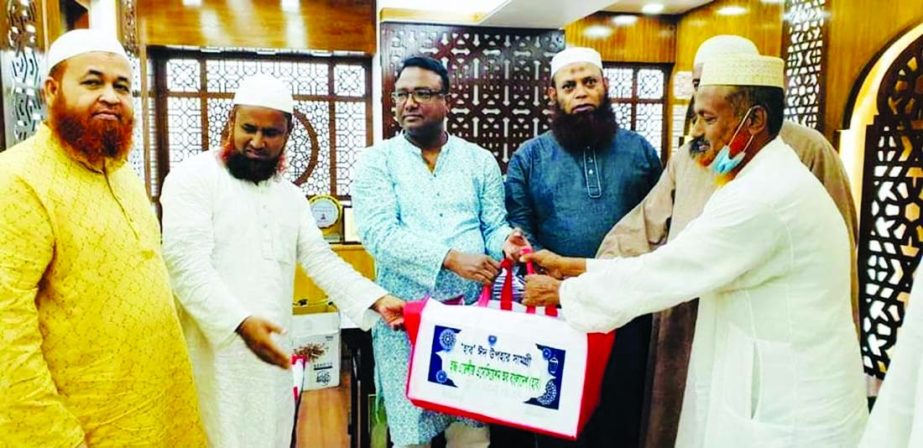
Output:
(91, 351)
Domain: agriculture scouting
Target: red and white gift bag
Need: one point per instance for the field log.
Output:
(502, 362)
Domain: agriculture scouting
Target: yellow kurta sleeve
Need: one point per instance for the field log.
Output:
(31, 410)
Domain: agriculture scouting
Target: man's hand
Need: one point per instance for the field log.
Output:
(514, 244)
(555, 265)
(547, 262)
(541, 290)
(257, 332)
(477, 267)
(391, 310)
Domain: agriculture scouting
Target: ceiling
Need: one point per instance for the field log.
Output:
(542, 13)
(669, 6)
(548, 14)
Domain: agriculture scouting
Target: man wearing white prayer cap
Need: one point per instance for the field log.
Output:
(587, 162)
(92, 351)
(233, 232)
(775, 359)
(717, 47)
(677, 199)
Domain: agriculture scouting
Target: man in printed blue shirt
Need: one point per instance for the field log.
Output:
(565, 189)
(429, 208)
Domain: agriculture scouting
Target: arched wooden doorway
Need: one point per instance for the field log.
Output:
(891, 229)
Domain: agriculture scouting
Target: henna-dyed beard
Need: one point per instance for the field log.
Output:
(253, 170)
(94, 139)
(594, 129)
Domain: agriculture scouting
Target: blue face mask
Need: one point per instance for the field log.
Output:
(724, 163)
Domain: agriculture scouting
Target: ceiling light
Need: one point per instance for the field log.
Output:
(732, 11)
(290, 6)
(624, 20)
(652, 8)
(597, 31)
(773, 2)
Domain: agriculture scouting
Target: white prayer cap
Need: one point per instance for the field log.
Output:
(80, 41)
(744, 70)
(265, 91)
(723, 45)
(575, 55)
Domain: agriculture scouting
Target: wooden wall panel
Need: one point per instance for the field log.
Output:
(858, 32)
(328, 25)
(649, 39)
(53, 24)
(354, 254)
(761, 23)
(430, 16)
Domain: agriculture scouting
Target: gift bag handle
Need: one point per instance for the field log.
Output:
(506, 293)
(550, 310)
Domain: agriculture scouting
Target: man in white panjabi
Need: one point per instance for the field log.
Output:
(678, 198)
(775, 361)
(233, 230)
(897, 417)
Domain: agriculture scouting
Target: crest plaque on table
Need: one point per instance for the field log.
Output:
(328, 214)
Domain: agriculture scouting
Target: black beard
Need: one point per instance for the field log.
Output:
(253, 170)
(577, 132)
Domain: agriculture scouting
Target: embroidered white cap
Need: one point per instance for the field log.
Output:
(265, 91)
(744, 70)
(724, 45)
(81, 41)
(574, 55)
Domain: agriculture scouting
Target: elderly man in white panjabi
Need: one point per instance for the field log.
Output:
(897, 417)
(775, 361)
(233, 231)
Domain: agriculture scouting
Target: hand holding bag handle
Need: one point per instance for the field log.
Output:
(506, 293)
(550, 310)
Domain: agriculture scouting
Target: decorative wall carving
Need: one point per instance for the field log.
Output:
(804, 46)
(498, 78)
(22, 71)
(891, 236)
(129, 25)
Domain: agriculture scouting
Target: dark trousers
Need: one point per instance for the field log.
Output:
(617, 421)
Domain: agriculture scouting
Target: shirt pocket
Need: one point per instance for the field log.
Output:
(284, 243)
(737, 374)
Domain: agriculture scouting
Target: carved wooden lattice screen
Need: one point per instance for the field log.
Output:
(891, 234)
(498, 77)
(332, 110)
(136, 158)
(22, 71)
(638, 96)
(804, 50)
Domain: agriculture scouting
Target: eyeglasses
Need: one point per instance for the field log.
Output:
(420, 96)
